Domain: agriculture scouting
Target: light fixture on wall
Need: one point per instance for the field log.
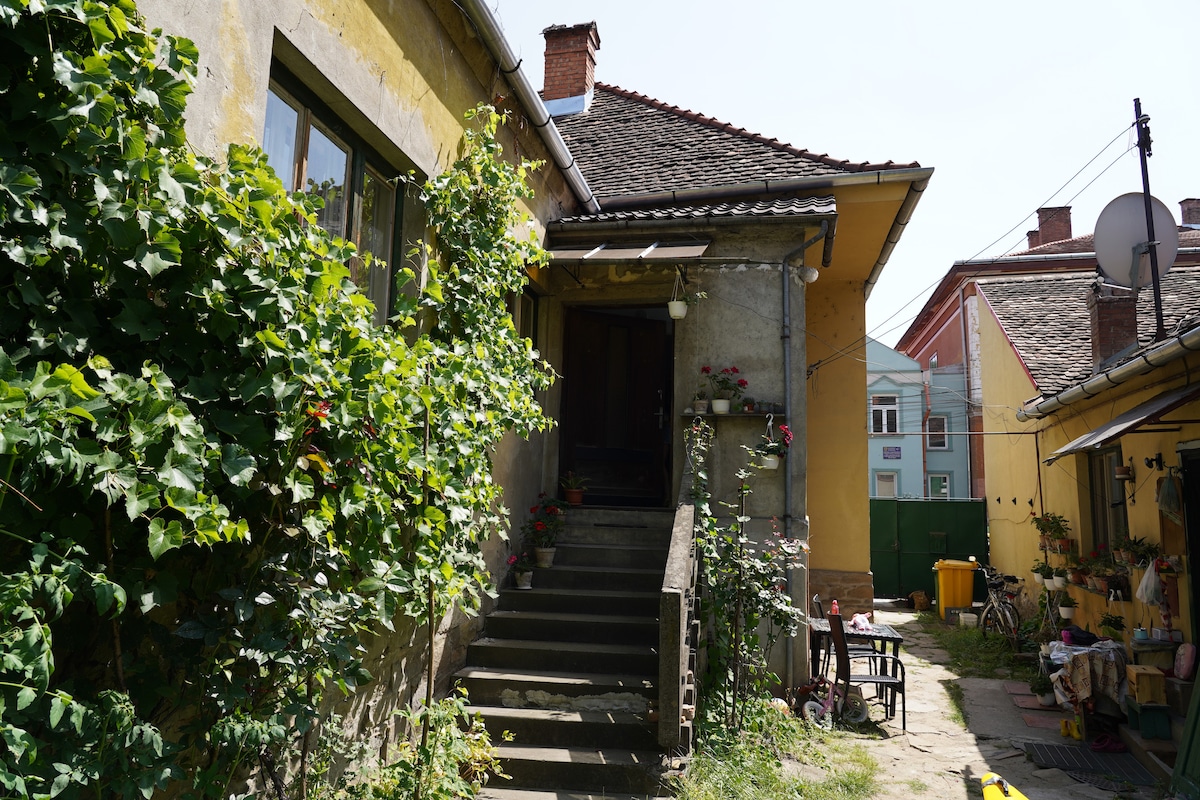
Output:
(1154, 463)
(809, 274)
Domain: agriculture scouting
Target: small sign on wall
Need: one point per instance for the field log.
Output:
(891, 453)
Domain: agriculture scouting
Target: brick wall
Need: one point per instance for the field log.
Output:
(570, 60)
(1113, 312)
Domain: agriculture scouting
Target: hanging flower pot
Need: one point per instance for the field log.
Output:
(770, 462)
(1066, 612)
(677, 308)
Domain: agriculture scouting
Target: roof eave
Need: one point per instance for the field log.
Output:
(915, 189)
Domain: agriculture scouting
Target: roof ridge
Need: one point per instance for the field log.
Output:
(713, 122)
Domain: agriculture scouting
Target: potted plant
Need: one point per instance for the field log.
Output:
(747, 404)
(542, 528)
(726, 387)
(1042, 572)
(522, 567)
(573, 487)
(1055, 528)
(677, 306)
(1043, 687)
(1060, 577)
(1066, 606)
(771, 449)
(1112, 625)
(1043, 636)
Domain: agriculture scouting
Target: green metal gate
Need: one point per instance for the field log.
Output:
(909, 536)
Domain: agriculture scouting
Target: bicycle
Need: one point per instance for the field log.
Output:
(999, 615)
(851, 706)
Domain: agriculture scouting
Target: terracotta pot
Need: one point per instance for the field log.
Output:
(574, 496)
(1062, 545)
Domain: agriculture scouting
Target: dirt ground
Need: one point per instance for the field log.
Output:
(940, 758)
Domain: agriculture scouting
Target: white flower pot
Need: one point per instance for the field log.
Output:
(770, 462)
(701, 406)
(1048, 699)
(720, 405)
(1060, 582)
(677, 309)
(1066, 612)
(524, 580)
(1038, 578)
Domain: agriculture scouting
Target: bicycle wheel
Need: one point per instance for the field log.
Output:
(855, 709)
(814, 711)
(998, 621)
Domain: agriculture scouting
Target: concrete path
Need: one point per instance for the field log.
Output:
(938, 758)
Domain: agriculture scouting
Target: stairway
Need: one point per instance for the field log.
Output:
(569, 666)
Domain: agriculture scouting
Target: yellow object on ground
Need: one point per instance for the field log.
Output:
(955, 583)
(996, 788)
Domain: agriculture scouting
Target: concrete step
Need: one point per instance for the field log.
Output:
(557, 626)
(562, 656)
(609, 771)
(631, 556)
(569, 728)
(580, 600)
(615, 536)
(519, 687)
(565, 576)
(611, 517)
(496, 792)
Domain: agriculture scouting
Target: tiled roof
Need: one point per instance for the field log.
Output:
(1188, 237)
(786, 207)
(1046, 318)
(630, 144)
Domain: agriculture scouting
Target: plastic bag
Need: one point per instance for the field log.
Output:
(1149, 591)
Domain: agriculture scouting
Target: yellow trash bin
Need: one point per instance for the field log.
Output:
(955, 584)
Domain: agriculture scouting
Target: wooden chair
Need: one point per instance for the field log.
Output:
(887, 673)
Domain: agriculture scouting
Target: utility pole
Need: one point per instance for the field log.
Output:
(1142, 122)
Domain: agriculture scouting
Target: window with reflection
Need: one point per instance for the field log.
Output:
(313, 151)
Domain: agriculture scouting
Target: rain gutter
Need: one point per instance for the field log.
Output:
(915, 189)
(1162, 353)
(489, 31)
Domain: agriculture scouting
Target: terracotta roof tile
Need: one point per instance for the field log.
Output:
(630, 144)
(1188, 237)
(1046, 318)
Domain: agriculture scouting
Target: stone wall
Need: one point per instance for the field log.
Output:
(855, 591)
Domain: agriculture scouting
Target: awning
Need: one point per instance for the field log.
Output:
(1147, 413)
(625, 251)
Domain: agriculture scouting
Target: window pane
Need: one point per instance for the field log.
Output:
(326, 177)
(885, 484)
(279, 138)
(937, 433)
(939, 487)
(375, 217)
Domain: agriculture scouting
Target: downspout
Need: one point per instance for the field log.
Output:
(489, 31)
(966, 360)
(785, 336)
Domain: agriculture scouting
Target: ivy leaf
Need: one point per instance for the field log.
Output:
(164, 537)
(140, 498)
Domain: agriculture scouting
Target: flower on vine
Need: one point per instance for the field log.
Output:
(320, 410)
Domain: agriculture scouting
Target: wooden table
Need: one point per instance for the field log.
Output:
(879, 636)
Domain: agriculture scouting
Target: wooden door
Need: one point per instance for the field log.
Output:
(615, 428)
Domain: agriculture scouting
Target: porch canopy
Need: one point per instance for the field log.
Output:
(1147, 413)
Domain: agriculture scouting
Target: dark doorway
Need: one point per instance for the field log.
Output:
(615, 424)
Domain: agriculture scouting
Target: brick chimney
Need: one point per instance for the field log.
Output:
(1113, 312)
(1054, 225)
(1191, 212)
(570, 67)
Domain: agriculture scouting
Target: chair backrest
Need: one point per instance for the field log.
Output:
(841, 653)
(818, 611)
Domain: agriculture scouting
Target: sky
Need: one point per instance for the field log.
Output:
(1016, 105)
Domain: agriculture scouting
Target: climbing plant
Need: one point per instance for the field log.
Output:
(745, 603)
(217, 478)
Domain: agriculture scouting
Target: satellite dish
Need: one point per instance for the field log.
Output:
(1121, 228)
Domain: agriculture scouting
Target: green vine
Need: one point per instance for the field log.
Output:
(220, 478)
(745, 604)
